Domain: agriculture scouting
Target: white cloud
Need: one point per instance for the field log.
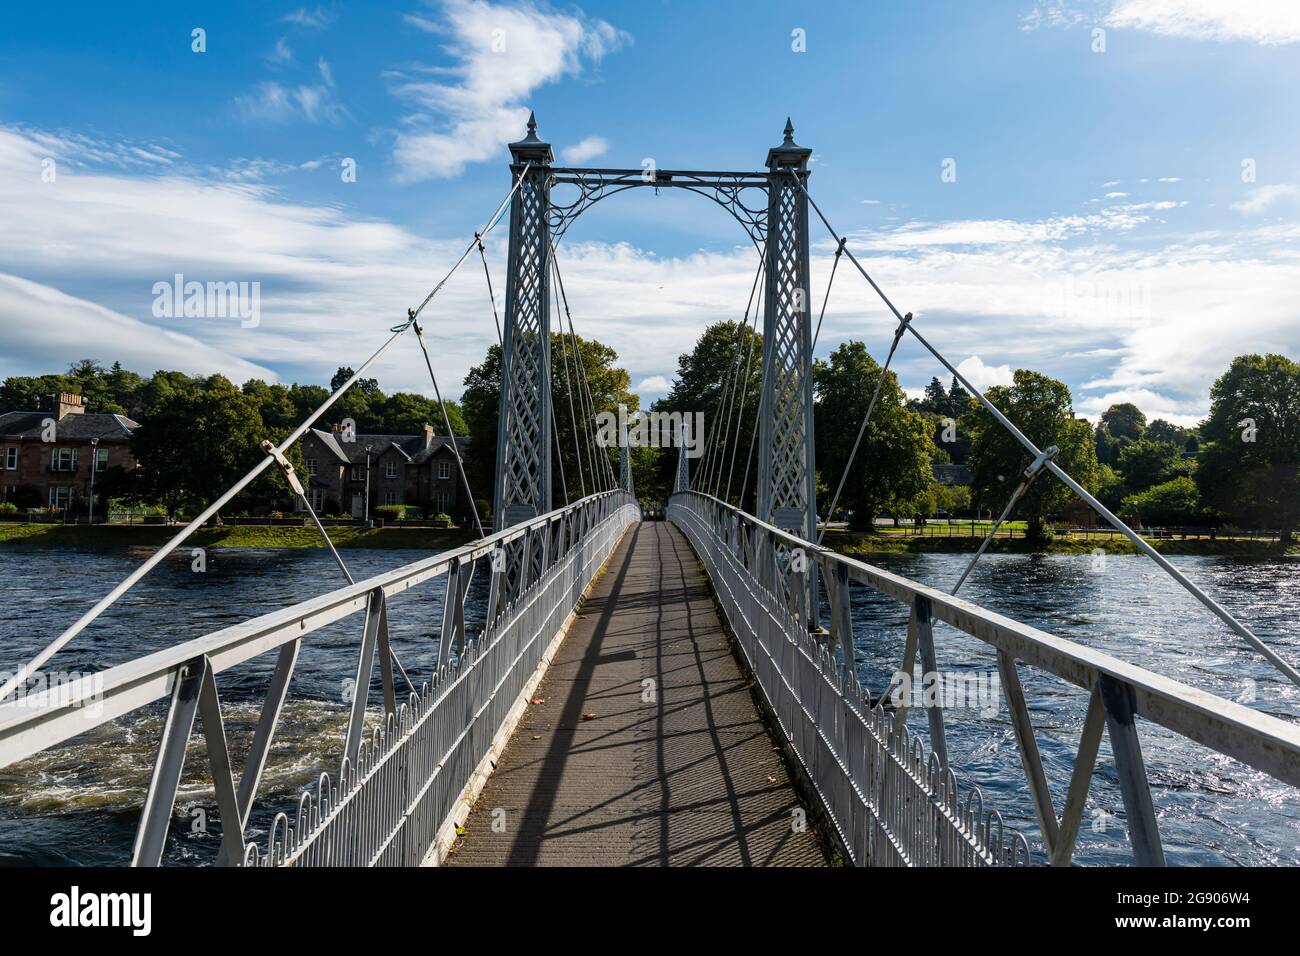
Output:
(984, 376)
(1267, 22)
(274, 102)
(317, 18)
(502, 53)
(1260, 198)
(1170, 179)
(585, 150)
(654, 385)
(1260, 21)
(1099, 301)
(281, 54)
(49, 330)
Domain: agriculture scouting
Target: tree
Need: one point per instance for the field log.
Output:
(1124, 420)
(199, 440)
(1174, 502)
(724, 352)
(1042, 409)
(891, 470)
(1146, 463)
(1249, 464)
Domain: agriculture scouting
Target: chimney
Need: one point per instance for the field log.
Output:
(66, 403)
(428, 435)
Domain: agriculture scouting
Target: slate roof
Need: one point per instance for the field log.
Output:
(410, 447)
(75, 426)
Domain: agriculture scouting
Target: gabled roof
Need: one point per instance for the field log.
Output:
(410, 447)
(75, 426)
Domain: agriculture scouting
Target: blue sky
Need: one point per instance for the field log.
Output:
(1124, 213)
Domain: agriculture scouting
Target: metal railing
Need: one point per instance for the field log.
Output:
(394, 789)
(889, 799)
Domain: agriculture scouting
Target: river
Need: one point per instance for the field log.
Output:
(79, 805)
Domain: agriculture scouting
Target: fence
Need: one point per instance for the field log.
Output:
(395, 788)
(890, 800)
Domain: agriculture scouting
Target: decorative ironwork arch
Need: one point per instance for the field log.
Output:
(726, 188)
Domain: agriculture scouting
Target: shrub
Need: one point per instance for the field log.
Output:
(396, 512)
(442, 516)
(484, 510)
(8, 508)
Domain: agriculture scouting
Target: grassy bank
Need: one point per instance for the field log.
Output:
(854, 543)
(231, 536)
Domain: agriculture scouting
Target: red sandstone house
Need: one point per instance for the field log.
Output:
(403, 470)
(46, 457)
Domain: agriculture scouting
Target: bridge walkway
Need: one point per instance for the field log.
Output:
(644, 746)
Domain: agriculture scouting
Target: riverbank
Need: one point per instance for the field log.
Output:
(231, 536)
(857, 544)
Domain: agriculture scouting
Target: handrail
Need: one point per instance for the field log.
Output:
(1262, 741)
(50, 717)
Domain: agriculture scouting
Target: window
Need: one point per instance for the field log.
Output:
(390, 470)
(358, 472)
(317, 499)
(101, 459)
(390, 497)
(444, 469)
(63, 459)
(11, 458)
(440, 499)
(310, 465)
(60, 495)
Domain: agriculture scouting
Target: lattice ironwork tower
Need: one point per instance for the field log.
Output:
(787, 493)
(523, 474)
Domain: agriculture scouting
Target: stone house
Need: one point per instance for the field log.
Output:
(402, 469)
(46, 457)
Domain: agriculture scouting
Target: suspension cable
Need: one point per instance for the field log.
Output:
(884, 372)
(1138, 541)
(744, 395)
(726, 398)
(158, 556)
(487, 274)
(446, 421)
(573, 417)
(736, 385)
(839, 251)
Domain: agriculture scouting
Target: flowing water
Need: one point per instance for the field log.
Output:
(79, 804)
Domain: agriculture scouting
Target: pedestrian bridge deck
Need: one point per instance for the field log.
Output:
(646, 747)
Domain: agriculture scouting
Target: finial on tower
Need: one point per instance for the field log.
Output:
(530, 149)
(789, 155)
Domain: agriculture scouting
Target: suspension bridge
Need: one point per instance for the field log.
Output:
(642, 692)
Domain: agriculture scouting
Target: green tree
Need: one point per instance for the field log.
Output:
(1174, 502)
(891, 470)
(1124, 420)
(1249, 465)
(726, 351)
(1041, 408)
(1146, 463)
(198, 440)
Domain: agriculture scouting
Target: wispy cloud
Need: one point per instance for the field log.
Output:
(317, 18)
(1262, 197)
(275, 102)
(502, 54)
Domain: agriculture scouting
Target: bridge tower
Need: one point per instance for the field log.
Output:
(523, 471)
(787, 482)
(683, 479)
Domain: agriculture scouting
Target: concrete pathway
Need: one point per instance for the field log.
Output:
(646, 748)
